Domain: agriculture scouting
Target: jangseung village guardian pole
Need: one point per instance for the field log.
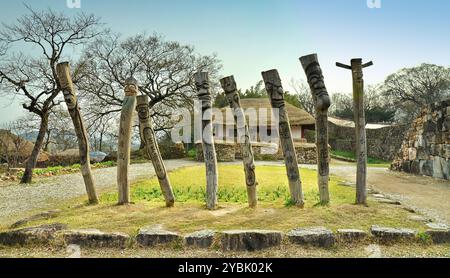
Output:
(360, 127)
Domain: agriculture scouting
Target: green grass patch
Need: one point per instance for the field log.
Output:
(351, 157)
(189, 214)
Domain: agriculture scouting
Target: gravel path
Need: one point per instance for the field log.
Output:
(19, 200)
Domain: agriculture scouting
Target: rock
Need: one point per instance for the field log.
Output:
(418, 218)
(96, 238)
(437, 226)
(151, 236)
(387, 201)
(427, 168)
(41, 216)
(318, 236)
(31, 235)
(439, 236)
(351, 235)
(392, 234)
(201, 239)
(250, 240)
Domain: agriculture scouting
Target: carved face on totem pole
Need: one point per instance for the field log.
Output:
(143, 112)
(70, 99)
(276, 93)
(131, 87)
(202, 85)
(317, 85)
(230, 88)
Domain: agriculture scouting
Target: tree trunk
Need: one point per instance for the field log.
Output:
(151, 146)
(360, 128)
(276, 94)
(63, 71)
(209, 152)
(32, 160)
(321, 99)
(230, 88)
(124, 146)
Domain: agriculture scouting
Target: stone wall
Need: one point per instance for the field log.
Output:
(426, 147)
(382, 143)
(227, 152)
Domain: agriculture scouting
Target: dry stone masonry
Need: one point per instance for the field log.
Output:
(426, 148)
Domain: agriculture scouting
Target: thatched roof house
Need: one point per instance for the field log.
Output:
(259, 116)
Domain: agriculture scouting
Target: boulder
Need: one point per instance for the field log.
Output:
(318, 236)
(392, 234)
(96, 238)
(41, 216)
(351, 235)
(31, 235)
(200, 239)
(250, 240)
(151, 236)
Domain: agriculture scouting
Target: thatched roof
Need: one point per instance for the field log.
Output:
(297, 116)
(347, 123)
(14, 143)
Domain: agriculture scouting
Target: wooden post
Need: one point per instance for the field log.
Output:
(63, 72)
(152, 149)
(209, 151)
(230, 88)
(360, 127)
(321, 99)
(124, 147)
(276, 94)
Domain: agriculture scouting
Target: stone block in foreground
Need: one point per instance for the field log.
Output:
(31, 235)
(155, 236)
(200, 239)
(250, 240)
(439, 236)
(393, 234)
(319, 236)
(351, 235)
(96, 238)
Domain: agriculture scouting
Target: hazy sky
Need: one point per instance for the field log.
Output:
(250, 36)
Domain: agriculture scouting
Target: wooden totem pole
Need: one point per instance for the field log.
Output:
(321, 99)
(209, 151)
(152, 149)
(124, 147)
(230, 88)
(276, 94)
(360, 127)
(63, 72)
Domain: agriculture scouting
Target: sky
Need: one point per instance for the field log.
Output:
(251, 36)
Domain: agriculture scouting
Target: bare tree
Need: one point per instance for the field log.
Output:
(303, 94)
(33, 77)
(163, 68)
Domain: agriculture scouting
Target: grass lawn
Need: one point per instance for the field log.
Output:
(189, 213)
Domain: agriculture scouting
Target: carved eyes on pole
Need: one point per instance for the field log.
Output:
(202, 85)
(131, 90)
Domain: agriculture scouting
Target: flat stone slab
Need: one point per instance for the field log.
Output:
(40, 216)
(437, 226)
(96, 238)
(318, 236)
(392, 234)
(439, 236)
(387, 201)
(154, 236)
(31, 235)
(351, 235)
(250, 240)
(200, 239)
(418, 218)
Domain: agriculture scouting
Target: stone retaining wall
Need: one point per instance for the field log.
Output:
(426, 146)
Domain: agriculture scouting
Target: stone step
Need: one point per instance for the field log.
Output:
(200, 239)
(32, 235)
(317, 236)
(351, 235)
(392, 234)
(151, 236)
(96, 238)
(439, 236)
(250, 240)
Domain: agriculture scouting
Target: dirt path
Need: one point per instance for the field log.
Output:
(19, 200)
(429, 196)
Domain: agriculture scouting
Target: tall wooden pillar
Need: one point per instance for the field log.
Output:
(124, 147)
(322, 102)
(209, 151)
(152, 149)
(276, 94)
(63, 72)
(360, 127)
(230, 88)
